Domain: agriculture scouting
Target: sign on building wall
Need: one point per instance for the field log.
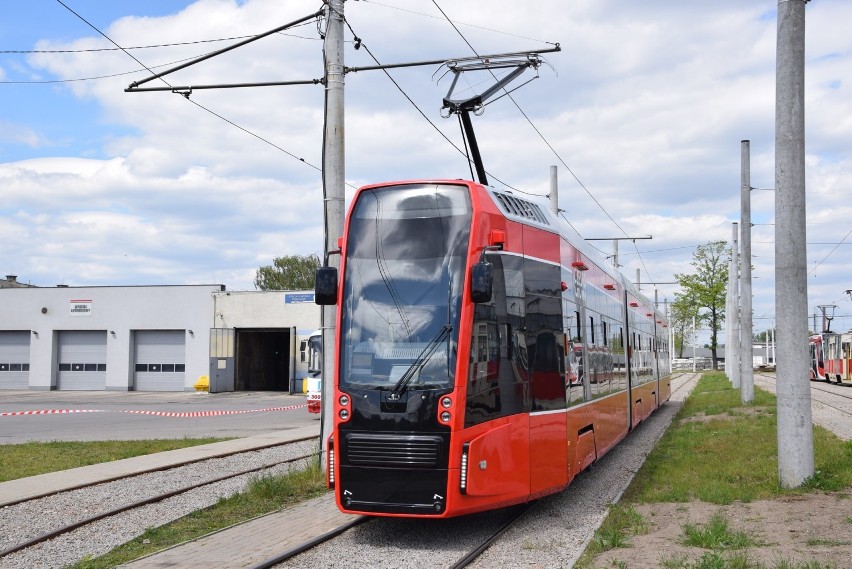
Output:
(81, 308)
(298, 297)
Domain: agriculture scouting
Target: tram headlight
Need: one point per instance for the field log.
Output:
(463, 469)
(343, 414)
(445, 416)
(344, 400)
(446, 402)
(330, 469)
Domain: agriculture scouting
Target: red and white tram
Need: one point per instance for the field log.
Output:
(485, 355)
(831, 357)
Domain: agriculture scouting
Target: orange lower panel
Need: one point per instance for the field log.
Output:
(586, 453)
(496, 462)
(644, 401)
(548, 453)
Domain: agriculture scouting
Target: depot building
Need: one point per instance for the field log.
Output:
(153, 338)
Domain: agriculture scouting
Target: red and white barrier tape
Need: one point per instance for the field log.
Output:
(213, 413)
(155, 413)
(49, 412)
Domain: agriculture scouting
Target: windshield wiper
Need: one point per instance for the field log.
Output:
(427, 352)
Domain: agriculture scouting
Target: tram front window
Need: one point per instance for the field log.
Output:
(405, 262)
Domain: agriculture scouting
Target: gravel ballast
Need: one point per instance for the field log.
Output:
(27, 520)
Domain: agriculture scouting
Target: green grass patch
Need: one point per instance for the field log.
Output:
(33, 458)
(621, 523)
(716, 534)
(736, 560)
(263, 496)
(719, 451)
(711, 560)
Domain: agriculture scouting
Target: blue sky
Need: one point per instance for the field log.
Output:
(647, 104)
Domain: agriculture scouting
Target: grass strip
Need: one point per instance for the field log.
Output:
(718, 450)
(263, 496)
(33, 458)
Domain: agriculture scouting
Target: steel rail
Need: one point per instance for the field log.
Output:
(154, 469)
(310, 544)
(144, 502)
(513, 516)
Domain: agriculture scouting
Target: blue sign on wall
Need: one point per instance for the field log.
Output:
(298, 297)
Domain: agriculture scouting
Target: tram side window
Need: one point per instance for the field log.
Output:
(619, 360)
(497, 383)
(578, 336)
(483, 399)
(573, 355)
(545, 352)
(592, 329)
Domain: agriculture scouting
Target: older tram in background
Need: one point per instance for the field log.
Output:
(485, 355)
(831, 357)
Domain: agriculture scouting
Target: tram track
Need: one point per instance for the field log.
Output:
(417, 543)
(478, 532)
(497, 523)
(816, 387)
(31, 526)
(830, 408)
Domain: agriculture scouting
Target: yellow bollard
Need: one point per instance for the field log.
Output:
(203, 384)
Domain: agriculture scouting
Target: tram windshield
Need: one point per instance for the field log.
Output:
(405, 267)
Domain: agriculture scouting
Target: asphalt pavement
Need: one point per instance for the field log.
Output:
(109, 415)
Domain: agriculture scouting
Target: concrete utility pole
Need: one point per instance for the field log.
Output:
(735, 308)
(334, 180)
(694, 341)
(746, 328)
(729, 314)
(793, 390)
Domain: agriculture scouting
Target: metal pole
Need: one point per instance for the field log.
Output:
(334, 179)
(746, 326)
(671, 335)
(554, 191)
(615, 253)
(693, 344)
(766, 339)
(638, 280)
(729, 316)
(795, 428)
(735, 310)
(772, 353)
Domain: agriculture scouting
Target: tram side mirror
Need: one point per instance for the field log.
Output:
(325, 286)
(480, 282)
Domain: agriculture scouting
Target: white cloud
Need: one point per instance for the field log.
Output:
(646, 103)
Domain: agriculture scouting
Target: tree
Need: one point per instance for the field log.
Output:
(683, 314)
(705, 289)
(291, 272)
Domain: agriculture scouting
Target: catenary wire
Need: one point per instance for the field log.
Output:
(360, 42)
(197, 104)
(550, 146)
(813, 271)
(460, 23)
(174, 44)
(75, 80)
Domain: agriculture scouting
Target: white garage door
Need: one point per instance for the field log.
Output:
(160, 360)
(82, 360)
(15, 360)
